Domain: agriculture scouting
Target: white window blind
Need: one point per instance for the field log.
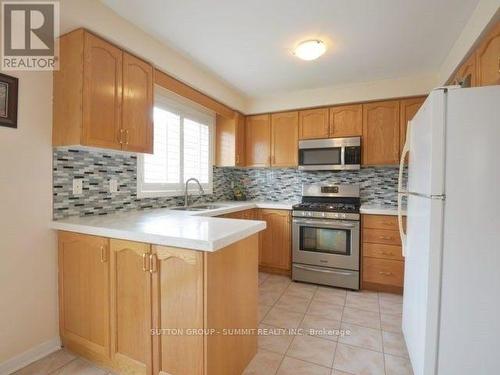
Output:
(183, 148)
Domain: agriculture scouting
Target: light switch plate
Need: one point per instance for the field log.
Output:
(77, 186)
(113, 186)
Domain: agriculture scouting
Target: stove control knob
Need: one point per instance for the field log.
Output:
(343, 216)
(322, 214)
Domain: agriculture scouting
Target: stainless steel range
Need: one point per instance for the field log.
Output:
(326, 230)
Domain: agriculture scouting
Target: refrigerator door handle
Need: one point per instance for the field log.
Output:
(401, 192)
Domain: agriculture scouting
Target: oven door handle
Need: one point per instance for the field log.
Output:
(326, 223)
(321, 270)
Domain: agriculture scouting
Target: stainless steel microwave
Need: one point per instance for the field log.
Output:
(330, 154)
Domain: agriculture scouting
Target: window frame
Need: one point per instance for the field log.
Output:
(183, 107)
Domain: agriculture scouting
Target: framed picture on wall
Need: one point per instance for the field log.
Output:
(8, 101)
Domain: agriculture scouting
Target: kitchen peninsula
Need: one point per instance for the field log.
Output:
(149, 290)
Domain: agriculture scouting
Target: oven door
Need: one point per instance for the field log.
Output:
(327, 243)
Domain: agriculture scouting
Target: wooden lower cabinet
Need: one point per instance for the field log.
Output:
(143, 309)
(84, 291)
(275, 241)
(382, 266)
(245, 215)
(130, 307)
(177, 305)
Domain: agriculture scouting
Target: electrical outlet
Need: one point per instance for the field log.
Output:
(232, 184)
(113, 186)
(77, 186)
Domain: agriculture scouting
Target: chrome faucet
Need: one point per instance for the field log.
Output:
(186, 191)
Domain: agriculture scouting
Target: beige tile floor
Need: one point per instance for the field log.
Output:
(372, 342)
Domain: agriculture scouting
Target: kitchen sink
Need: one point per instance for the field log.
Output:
(201, 207)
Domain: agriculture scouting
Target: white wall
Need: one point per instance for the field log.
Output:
(383, 89)
(28, 265)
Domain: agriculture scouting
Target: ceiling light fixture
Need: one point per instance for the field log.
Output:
(310, 49)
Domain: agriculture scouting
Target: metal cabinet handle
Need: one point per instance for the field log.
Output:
(144, 262)
(103, 254)
(152, 263)
(387, 253)
(120, 138)
(126, 137)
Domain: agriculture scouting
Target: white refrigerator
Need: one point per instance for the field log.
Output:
(451, 303)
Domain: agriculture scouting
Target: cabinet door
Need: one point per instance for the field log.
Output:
(178, 306)
(102, 93)
(408, 109)
(137, 114)
(275, 241)
(488, 59)
(225, 141)
(84, 293)
(230, 141)
(313, 123)
(131, 325)
(240, 140)
(258, 139)
(381, 133)
(346, 121)
(284, 139)
(466, 74)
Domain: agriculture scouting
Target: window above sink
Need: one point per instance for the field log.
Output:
(183, 148)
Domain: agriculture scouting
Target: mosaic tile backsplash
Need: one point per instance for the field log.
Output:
(96, 168)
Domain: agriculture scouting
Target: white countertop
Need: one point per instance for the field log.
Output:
(186, 229)
(374, 209)
(196, 230)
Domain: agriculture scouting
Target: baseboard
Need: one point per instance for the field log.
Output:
(30, 356)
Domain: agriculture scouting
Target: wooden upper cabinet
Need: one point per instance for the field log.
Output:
(408, 109)
(313, 123)
(488, 59)
(240, 140)
(103, 97)
(137, 113)
(275, 240)
(84, 293)
(381, 123)
(230, 141)
(258, 140)
(102, 93)
(466, 74)
(346, 121)
(284, 139)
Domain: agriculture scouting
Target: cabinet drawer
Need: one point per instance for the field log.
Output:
(383, 271)
(380, 222)
(376, 250)
(381, 236)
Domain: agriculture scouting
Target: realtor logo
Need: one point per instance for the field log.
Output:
(29, 35)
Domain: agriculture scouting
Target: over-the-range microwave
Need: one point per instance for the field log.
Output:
(330, 154)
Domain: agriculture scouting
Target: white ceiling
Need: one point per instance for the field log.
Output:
(248, 43)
